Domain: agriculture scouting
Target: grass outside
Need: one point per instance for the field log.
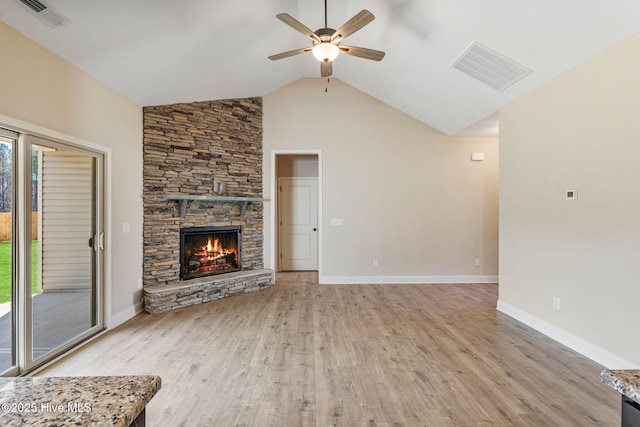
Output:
(5, 270)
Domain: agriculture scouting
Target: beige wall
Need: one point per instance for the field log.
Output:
(299, 166)
(579, 131)
(41, 91)
(407, 194)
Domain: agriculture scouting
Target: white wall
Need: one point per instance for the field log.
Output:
(579, 131)
(42, 93)
(408, 195)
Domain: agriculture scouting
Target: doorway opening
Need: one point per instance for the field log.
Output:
(297, 233)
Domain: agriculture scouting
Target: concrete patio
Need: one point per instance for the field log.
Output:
(57, 318)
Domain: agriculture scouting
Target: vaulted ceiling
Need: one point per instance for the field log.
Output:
(167, 51)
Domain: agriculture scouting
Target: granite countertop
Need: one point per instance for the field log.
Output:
(626, 382)
(79, 401)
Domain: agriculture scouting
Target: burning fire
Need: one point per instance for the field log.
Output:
(218, 255)
(214, 249)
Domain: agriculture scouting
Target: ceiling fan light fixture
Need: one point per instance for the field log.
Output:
(325, 51)
(326, 42)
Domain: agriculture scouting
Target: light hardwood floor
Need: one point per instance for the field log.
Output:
(303, 354)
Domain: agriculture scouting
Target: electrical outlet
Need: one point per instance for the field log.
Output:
(140, 283)
(477, 262)
(126, 227)
(374, 262)
(556, 303)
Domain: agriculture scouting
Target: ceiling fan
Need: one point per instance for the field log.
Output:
(325, 42)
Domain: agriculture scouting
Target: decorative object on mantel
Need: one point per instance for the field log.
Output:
(219, 187)
(185, 198)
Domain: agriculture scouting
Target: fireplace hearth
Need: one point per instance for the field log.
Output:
(209, 251)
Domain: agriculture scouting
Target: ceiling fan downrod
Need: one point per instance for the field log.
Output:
(325, 14)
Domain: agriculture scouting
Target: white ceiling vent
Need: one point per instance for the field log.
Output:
(490, 67)
(49, 15)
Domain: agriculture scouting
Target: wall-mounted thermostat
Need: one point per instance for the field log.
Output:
(477, 157)
(572, 194)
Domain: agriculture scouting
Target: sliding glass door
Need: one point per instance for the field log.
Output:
(57, 261)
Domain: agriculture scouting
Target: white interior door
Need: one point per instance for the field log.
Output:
(298, 223)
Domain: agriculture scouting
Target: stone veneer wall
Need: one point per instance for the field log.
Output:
(186, 147)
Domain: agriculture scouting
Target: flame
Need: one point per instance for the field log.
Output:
(212, 257)
(214, 247)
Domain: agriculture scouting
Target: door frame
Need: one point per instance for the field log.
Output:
(26, 360)
(273, 229)
(105, 197)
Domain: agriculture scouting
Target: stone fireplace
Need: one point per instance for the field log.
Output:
(188, 151)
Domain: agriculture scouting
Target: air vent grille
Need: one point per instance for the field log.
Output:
(490, 67)
(35, 5)
(49, 15)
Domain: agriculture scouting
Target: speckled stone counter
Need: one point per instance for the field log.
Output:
(626, 382)
(75, 401)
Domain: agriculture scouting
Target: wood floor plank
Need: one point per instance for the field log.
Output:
(303, 354)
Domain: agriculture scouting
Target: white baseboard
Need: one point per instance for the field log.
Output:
(124, 315)
(587, 349)
(356, 280)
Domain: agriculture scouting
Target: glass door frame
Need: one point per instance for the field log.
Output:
(13, 369)
(22, 304)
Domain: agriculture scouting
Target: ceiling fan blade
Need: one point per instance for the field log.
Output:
(362, 52)
(298, 26)
(361, 19)
(326, 69)
(289, 53)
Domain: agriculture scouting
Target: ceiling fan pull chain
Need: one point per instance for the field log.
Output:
(326, 85)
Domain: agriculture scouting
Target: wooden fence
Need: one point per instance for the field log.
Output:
(5, 226)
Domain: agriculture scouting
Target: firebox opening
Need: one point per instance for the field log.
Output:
(207, 251)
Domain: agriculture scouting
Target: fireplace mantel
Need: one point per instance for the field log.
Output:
(185, 198)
